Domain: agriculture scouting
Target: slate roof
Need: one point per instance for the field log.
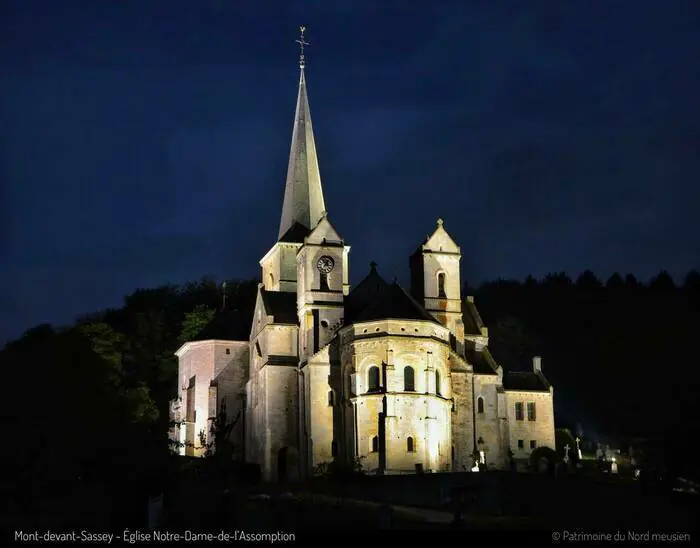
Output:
(392, 302)
(296, 234)
(528, 381)
(482, 361)
(364, 294)
(472, 318)
(281, 305)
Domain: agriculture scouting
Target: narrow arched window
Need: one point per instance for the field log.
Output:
(410, 445)
(441, 284)
(375, 444)
(480, 405)
(438, 389)
(272, 280)
(373, 379)
(331, 398)
(409, 384)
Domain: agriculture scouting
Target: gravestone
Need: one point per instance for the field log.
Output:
(578, 448)
(566, 453)
(613, 466)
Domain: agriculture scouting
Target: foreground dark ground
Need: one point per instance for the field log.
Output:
(199, 500)
(485, 501)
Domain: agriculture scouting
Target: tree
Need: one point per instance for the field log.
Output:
(512, 343)
(194, 322)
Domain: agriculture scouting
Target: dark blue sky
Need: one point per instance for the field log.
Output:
(147, 142)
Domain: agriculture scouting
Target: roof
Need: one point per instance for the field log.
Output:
(295, 234)
(392, 302)
(471, 317)
(364, 294)
(482, 361)
(527, 381)
(303, 194)
(281, 305)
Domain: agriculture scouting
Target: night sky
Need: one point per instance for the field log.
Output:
(145, 143)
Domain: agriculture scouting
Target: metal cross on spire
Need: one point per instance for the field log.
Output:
(302, 43)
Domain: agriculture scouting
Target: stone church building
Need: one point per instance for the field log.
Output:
(398, 381)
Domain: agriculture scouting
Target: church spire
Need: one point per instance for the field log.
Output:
(303, 194)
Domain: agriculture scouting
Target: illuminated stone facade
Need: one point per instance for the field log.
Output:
(396, 381)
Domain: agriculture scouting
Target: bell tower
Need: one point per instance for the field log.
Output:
(435, 282)
(322, 274)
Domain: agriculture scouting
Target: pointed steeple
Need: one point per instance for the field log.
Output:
(303, 194)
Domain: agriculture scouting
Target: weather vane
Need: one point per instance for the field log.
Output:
(302, 43)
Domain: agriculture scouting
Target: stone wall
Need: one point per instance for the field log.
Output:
(488, 423)
(541, 430)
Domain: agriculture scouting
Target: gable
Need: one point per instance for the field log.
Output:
(441, 241)
(280, 305)
(324, 233)
(259, 314)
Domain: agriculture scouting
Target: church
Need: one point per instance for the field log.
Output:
(394, 380)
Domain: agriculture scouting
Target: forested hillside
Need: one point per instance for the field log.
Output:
(88, 403)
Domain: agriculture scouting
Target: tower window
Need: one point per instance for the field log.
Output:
(438, 390)
(375, 444)
(324, 281)
(373, 379)
(480, 405)
(410, 445)
(272, 280)
(409, 384)
(331, 398)
(441, 285)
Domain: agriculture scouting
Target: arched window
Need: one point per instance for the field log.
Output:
(441, 284)
(331, 398)
(324, 282)
(480, 405)
(410, 445)
(375, 444)
(272, 280)
(373, 379)
(438, 390)
(409, 384)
